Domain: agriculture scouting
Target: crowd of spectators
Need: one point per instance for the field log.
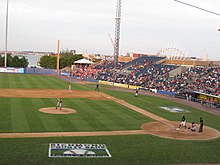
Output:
(204, 80)
(147, 74)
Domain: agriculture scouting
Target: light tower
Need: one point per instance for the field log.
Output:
(117, 31)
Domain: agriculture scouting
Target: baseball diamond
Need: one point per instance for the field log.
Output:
(114, 117)
(162, 127)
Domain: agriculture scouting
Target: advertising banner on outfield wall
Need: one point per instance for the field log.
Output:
(11, 70)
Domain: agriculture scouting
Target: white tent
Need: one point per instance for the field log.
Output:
(83, 61)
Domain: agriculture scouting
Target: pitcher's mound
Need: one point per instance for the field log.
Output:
(53, 110)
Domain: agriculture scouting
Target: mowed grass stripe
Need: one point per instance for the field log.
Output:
(19, 81)
(77, 120)
(14, 80)
(5, 83)
(132, 118)
(30, 81)
(116, 114)
(19, 120)
(32, 114)
(36, 81)
(49, 82)
(5, 121)
(1, 80)
(104, 115)
(89, 115)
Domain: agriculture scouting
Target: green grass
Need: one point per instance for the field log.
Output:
(22, 115)
(125, 150)
(35, 81)
(152, 104)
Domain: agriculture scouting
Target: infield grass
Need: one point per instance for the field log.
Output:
(22, 115)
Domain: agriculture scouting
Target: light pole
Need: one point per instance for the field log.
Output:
(6, 35)
(58, 58)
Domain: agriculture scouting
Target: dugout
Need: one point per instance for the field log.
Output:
(205, 99)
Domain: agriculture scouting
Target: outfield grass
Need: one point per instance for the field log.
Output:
(35, 81)
(22, 115)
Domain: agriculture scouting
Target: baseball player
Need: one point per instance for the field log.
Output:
(183, 122)
(201, 125)
(193, 127)
(59, 103)
(69, 88)
(97, 87)
(136, 93)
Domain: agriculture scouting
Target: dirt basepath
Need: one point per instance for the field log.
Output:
(50, 93)
(161, 127)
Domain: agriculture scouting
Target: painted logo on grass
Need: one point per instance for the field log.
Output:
(60, 150)
(175, 109)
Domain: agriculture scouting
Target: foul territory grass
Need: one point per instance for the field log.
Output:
(125, 150)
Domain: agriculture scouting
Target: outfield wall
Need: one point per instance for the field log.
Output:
(40, 71)
(11, 70)
(28, 70)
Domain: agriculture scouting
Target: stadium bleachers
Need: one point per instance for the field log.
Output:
(148, 73)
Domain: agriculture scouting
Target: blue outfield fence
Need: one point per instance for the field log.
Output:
(40, 71)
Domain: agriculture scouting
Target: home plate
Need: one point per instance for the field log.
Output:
(177, 129)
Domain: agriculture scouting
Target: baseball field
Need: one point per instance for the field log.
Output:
(136, 130)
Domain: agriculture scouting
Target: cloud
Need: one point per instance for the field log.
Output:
(85, 24)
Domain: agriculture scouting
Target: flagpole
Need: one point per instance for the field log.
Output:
(6, 35)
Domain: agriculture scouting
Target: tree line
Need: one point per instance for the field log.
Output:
(14, 61)
(67, 58)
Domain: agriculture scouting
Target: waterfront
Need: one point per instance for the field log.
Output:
(33, 60)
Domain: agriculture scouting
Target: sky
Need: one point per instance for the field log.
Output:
(147, 26)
